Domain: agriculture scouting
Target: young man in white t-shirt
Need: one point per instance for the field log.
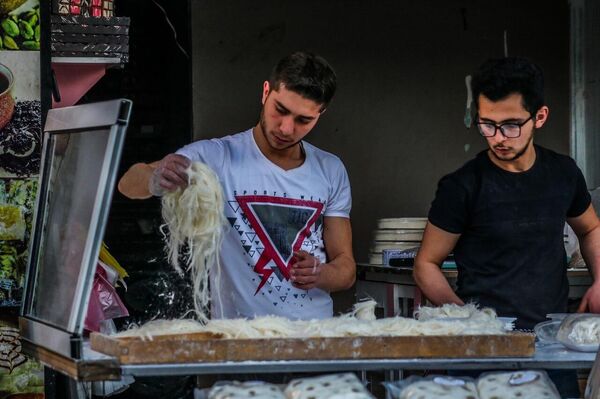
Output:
(288, 203)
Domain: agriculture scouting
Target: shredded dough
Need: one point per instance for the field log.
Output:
(347, 325)
(161, 327)
(194, 216)
(364, 310)
(468, 311)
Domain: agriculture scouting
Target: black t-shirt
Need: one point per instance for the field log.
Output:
(510, 255)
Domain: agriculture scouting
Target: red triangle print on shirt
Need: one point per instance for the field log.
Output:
(281, 224)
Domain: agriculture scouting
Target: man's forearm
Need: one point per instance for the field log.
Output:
(134, 183)
(589, 245)
(590, 251)
(338, 274)
(434, 285)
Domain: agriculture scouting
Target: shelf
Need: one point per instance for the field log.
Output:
(86, 60)
(74, 79)
(553, 356)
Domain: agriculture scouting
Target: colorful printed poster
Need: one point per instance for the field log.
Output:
(20, 24)
(20, 150)
(20, 139)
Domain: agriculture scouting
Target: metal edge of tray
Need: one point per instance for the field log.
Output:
(546, 357)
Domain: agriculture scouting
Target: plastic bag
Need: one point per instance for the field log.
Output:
(243, 390)
(546, 331)
(104, 302)
(580, 331)
(433, 387)
(106, 259)
(332, 386)
(516, 385)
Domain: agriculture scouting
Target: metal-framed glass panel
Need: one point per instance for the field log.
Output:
(80, 157)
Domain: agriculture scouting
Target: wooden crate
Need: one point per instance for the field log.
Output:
(203, 347)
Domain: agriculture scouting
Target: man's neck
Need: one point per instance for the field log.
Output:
(521, 164)
(288, 158)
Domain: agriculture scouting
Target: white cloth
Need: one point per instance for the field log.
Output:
(271, 212)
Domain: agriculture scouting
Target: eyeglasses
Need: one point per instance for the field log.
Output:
(509, 130)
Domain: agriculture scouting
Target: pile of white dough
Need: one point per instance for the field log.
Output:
(515, 385)
(468, 311)
(527, 384)
(333, 386)
(586, 331)
(194, 219)
(248, 389)
(439, 388)
(360, 322)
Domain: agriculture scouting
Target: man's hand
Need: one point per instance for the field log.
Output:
(591, 300)
(305, 271)
(169, 175)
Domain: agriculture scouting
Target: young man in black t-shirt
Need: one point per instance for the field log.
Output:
(503, 213)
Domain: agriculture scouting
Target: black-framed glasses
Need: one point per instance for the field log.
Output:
(509, 130)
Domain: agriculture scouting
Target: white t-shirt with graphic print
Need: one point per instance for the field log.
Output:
(272, 213)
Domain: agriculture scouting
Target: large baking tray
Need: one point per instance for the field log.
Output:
(204, 347)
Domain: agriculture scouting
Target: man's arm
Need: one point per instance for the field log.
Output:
(587, 228)
(435, 247)
(135, 182)
(339, 273)
(143, 180)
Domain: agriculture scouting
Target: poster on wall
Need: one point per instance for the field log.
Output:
(20, 150)
(20, 139)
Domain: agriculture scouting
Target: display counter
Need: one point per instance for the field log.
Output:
(81, 153)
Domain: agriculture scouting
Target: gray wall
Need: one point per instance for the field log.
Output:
(397, 118)
(585, 89)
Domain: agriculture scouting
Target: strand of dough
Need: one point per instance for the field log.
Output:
(194, 219)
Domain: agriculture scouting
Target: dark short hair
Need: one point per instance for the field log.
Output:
(307, 74)
(497, 78)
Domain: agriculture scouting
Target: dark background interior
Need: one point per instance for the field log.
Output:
(158, 81)
(396, 121)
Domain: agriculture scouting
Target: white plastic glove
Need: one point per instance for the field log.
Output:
(169, 175)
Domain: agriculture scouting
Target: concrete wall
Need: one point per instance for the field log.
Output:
(397, 118)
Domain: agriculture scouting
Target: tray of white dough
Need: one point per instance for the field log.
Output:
(355, 335)
(577, 331)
